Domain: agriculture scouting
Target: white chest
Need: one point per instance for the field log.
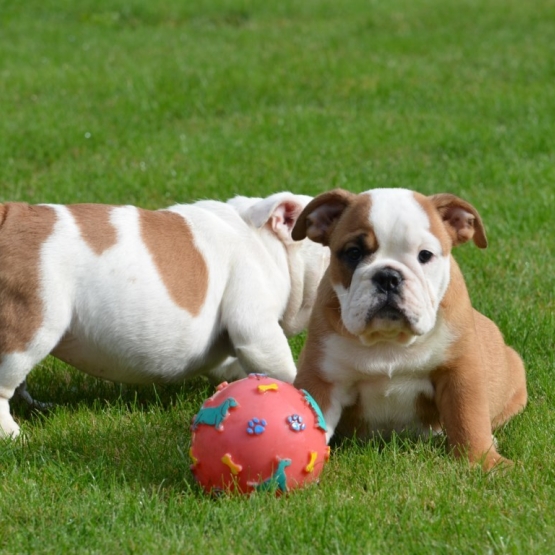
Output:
(387, 379)
(391, 404)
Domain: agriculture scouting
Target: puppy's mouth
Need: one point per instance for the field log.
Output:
(387, 312)
(386, 309)
(386, 321)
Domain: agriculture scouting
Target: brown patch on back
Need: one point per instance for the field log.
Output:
(94, 224)
(180, 264)
(23, 231)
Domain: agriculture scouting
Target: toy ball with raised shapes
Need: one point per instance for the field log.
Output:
(258, 434)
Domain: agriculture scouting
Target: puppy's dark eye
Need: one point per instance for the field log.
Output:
(424, 256)
(353, 254)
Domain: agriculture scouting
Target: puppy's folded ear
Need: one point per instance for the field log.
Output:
(319, 217)
(461, 219)
(279, 211)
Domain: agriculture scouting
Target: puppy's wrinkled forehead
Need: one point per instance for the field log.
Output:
(391, 217)
(396, 215)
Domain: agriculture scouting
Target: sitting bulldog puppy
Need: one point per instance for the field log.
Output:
(393, 341)
(140, 296)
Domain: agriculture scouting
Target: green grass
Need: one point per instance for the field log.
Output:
(153, 103)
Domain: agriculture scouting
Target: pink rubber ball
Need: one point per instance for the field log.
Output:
(258, 433)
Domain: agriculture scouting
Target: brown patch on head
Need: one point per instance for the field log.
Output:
(437, 227)
(340, 220)
(23, 231)
(319, 216)
(352, 231)
(180, 264)
(94, 224)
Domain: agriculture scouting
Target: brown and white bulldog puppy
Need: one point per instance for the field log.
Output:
(141, 296)
(393, 341)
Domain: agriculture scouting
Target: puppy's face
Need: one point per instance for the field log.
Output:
(390, 256)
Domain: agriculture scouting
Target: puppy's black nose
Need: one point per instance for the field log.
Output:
(387, 280)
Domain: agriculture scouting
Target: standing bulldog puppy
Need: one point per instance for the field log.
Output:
(393, 341)
(140, 296)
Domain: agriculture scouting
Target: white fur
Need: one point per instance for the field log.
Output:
(388, 376)
(119, 322)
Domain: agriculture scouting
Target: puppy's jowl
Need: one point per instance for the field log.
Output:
(139, 296)
(393, 341)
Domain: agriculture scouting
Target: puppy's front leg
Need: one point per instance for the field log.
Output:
(261, 347)
(461, 398)
(229, 370)
(332, 414)
(330, 398)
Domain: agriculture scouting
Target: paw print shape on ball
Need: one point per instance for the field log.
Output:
(256, 426)
(296, 422)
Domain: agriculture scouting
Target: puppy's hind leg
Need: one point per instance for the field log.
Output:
(264, 349)
(14, 368)
(518, 395)
(22, 393)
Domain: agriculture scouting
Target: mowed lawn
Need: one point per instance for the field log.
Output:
(153, 103)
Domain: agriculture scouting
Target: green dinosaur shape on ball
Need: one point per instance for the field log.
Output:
(277, 481)
(314, 406)
(214, 416)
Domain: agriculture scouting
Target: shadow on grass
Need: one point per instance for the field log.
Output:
(102, 431)
(59, 384)
(403, 442)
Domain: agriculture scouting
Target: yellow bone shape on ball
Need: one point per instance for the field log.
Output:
(228, 461)
(269, 387)
(310, 466)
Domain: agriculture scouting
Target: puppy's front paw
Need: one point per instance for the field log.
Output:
(495, 462)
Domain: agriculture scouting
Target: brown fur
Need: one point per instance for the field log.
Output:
(324, 320)
(354, 226)
(21, 309)
(480, 385)
(180, 264)
(95, 226)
